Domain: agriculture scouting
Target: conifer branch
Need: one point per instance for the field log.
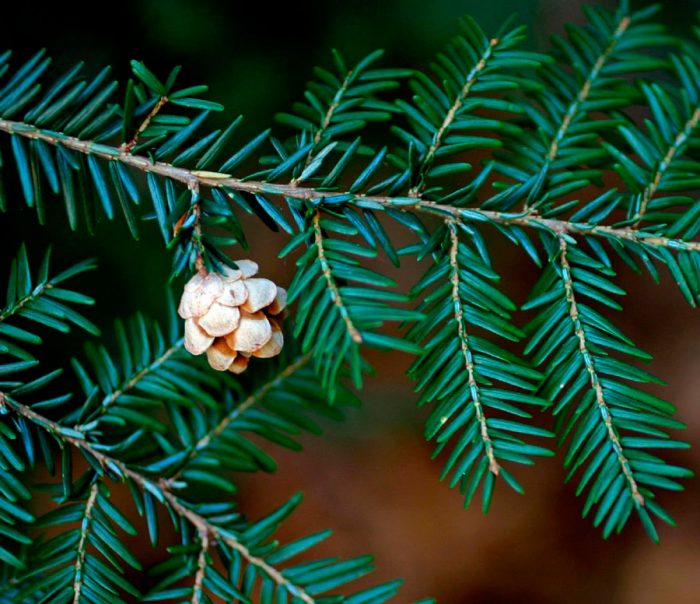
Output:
(332, 109)
(40, 299)
(471, 79)
(553, 225)
(82, 543)
(127, 147)
(201, 568)
(326, 122)
(12, 309)
(596, 386)
(136, 378)
(330, 280)
(204, 526)
(586, 88)
(216, 180)
(251, 400)
(467, 354)
(159, 486)
(676, 147)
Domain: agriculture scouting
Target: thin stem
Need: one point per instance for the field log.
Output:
(82, 544)
(197, 228)
(30, 297)
(675, 148)
(135, 379)
(586, 88)
(209, 179)
(331, 110)
(201, 569)
(128, 147)
(161, 487)
(330, 280)
(254, 398)
(582, 96)
(333, 107)
(494, 468)
(472, 77)
(326, 121)
(555, 226)
(597, 387)
(203, 526)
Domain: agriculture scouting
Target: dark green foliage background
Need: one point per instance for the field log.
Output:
(370, 480)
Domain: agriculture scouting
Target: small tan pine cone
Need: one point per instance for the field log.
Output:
(230, 316)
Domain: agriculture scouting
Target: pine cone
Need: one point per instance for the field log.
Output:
(229, 316)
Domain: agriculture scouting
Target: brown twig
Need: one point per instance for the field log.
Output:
(330, 280)
(161, 486)
(82, 544)
(472, 77)
(678, 144)
(127, 147)
(585, 90)
(255, 397)
(133, 381)
(583, 95)
(213, 179)
(593, 375)
(32, 295)
(326, 121)
(201, 568)
(494, 467)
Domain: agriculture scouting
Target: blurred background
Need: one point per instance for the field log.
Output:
(371, 479)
